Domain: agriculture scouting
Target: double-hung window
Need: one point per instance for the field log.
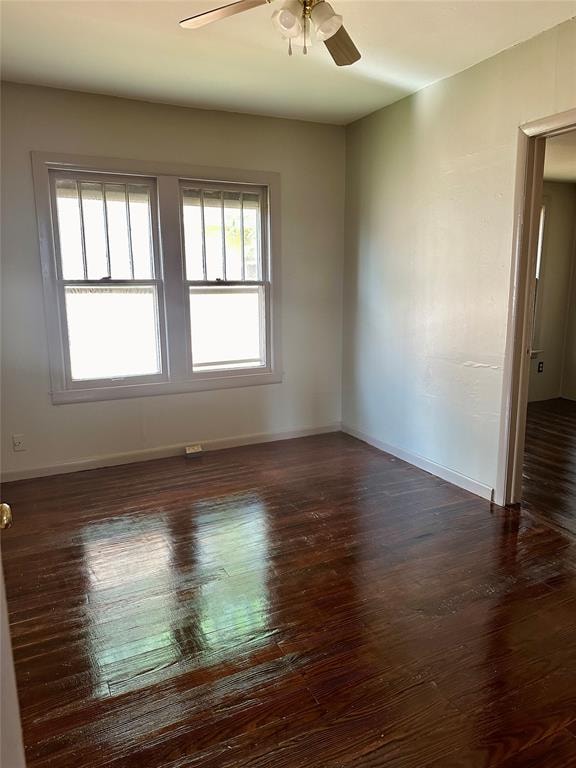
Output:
(224, 232)
(108, 278)
(156, 280)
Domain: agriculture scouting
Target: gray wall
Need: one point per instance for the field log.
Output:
(430, 186)
(311, 160)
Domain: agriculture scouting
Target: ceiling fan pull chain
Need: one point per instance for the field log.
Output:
(294, 19)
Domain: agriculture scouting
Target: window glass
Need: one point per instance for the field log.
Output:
(193, 240)
(118, 231)
(226, 328)
(252, 245)
(222, 234)
(233, 235)
(112, 331)
(92, 206)
(108, 227)
(213, 234)
(69, 229)
(141, 231)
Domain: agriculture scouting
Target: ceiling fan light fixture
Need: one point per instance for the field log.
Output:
(326, 21)
(295, 20)
(288, 19)
(304, 39)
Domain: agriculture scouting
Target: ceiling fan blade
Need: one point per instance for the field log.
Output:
(200, 19)
(342, 49)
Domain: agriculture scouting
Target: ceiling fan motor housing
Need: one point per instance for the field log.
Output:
(293, 21)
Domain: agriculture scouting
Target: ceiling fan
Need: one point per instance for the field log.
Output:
(294, 21)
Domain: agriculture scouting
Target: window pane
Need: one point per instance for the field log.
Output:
(141, 231)
(118, 233)
(222, 234)
(226, 328)
(233, 235)
(94, 229)
(213, 230)
(192, 218)
(113, 331)
(252, 245)
(69, 229)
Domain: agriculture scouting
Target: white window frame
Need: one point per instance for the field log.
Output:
(172, 285)
(227, 285)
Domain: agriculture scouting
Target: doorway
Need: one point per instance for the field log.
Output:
(538, 454)
(549, 468)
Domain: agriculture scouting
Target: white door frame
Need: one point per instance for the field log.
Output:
(11, 745)
(527, 203)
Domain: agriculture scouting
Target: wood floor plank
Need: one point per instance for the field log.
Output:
(312, 603)
(549, 477)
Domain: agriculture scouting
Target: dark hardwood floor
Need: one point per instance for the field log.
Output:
(549, 477)
(305, 604)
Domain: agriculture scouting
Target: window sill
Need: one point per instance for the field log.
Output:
(123, 391)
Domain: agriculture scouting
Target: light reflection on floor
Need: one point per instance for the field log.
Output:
(235, 608)
(225, 603)
(120, 648)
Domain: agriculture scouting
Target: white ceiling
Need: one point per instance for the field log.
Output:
(136, 49)
(560, 161)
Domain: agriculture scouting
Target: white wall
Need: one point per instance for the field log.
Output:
(310, 159)
(554, 292)
(430, 184)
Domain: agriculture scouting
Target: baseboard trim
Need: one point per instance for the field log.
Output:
(148, 454)
(456, 478)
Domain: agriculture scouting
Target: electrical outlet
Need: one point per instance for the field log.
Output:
(541, 366)
(192, 450)
(18, 443)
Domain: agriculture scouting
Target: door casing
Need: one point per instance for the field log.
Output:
(527, 202)
(12, 747)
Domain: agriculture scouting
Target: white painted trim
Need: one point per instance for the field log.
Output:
(456, 478)
(147, 454)
(527, 202)
(12, 746)
(243, 377)
(177, 375)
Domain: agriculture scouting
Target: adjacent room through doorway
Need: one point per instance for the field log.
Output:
(549, 478)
